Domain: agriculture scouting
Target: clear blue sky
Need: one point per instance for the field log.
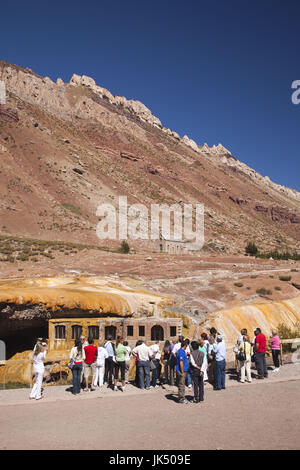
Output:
(216, 70)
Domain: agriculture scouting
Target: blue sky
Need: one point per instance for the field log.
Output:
(217, 70)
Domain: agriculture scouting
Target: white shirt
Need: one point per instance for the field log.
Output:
(102, 355)
(220, 350)
(155, 350)
(240, 340)
(176, 348)
(38, 362)
(143, 352)
(127, 358)
(78, 357)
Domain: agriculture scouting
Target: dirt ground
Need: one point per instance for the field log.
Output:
(261, 415)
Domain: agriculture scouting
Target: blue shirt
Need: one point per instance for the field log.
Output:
(220, 350)
(181, 356)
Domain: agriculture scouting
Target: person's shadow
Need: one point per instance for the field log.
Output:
(174, 397)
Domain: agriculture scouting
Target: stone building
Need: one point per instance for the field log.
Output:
(64, 331)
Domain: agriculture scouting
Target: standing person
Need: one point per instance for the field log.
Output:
(109, 363)
(172, 362)
(121, 353)
(177, 345)
(156, 360)
(198, 364)
(182, 366)
(127, 361)
(39, 355)
(100, 365)
(219, 349)
(165, 360)
(143, 365)
(275, 346)
(83, 344)
(211, 360)
(245, 365)
(260, 349)
(188, 374)
(203, 348)
(91, 353)
(239, 341)
(137, 380)
(213, 332)
(78, 355)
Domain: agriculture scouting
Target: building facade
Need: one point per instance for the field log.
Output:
(64, 331)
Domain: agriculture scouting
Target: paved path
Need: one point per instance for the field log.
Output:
(261, 415)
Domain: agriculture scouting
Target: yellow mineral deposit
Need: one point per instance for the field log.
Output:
(106, 293)
(126, 297)
(266, 316)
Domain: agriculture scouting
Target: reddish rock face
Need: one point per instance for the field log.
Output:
(66, 147)
(8, 114)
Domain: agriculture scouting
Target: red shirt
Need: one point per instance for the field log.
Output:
(262, 343)
(90, 353)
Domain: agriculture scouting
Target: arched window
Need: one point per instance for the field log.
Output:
(157, 333)
(110, 331)
(76, 331)
(93, 332)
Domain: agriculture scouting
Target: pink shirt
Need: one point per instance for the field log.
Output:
(275, 342)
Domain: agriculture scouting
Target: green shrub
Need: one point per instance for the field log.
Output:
(277, 288)
(124, 248)
(251, 249)
(238, 284)
(285, 278)
(285, 332)
(264, 291)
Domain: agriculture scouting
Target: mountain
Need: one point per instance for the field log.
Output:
(66, 147)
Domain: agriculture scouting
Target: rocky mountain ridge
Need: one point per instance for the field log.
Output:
(65, 147)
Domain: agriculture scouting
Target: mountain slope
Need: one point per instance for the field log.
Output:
(64, 148)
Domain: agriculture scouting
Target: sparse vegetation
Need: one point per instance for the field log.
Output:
(285, 278)
(264, 291)
(285, 332)
(238, 284)
(251, 249)
(124, 248)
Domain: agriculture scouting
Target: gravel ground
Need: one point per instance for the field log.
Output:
(261, 415)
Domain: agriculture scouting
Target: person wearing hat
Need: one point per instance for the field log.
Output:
(219, 349)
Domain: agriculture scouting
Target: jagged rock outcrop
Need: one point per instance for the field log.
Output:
(8, 114)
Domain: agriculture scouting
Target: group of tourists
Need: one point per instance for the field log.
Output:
(187, 363)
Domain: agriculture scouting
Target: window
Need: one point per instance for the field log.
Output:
(130, 330)
(60, 332)
(173, 331)
(157, 333)
(76, 331)
(93, 332)
(110, 331)
(141, 331)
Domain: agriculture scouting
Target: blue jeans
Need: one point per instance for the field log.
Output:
(188, 378)
(156, 372)
(220, 374)
(144, 373)
(76, 371)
